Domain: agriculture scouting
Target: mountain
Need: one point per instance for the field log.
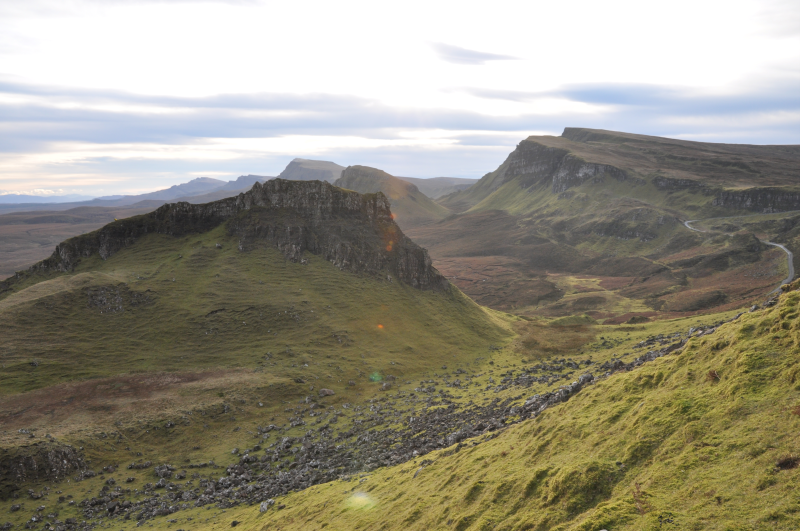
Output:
(410, 206)
(289, 359)
(197, 186)
(611, 207)
(185, 331)
(28, 233)
(691, 177)
(311, 170)
(244, 182)
(201, 186)
(28, 237)
(23, 198)
(437, 187)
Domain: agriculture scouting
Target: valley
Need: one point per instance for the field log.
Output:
(600, 334)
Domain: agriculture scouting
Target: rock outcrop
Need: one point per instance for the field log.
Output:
(355, 232)
(540, 164)
(37, 462)
(766, 200)
(535, 164)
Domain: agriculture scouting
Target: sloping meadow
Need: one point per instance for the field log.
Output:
(703, 438)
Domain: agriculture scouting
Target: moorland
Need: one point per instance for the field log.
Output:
(596, 335)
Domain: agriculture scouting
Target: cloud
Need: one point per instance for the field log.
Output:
(55, 137)
(36, 191)
(463, 56)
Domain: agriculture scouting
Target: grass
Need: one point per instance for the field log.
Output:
(705, 449)
(662, 440)
(190, 306)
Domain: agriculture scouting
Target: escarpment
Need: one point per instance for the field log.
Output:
(540, 164)
(536, 163)
(355, 232)
(765, 200)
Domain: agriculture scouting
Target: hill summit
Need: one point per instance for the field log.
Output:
(311, 170)
(410, 206)
(353, 231)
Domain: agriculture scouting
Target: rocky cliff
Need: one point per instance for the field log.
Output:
(540, 164)
(355, 232)
(765, 200)
(534, 164)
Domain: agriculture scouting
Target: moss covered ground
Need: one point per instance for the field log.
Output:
(706, 438)
(192, 365)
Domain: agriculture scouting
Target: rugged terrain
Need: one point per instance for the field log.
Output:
(289, 359)
(28, 232)
(593, 221)
(295, 300)
(704, 436)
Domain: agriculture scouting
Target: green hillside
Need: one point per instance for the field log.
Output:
(411, 207)
(171, 304)
(703, 438)
(611, 207)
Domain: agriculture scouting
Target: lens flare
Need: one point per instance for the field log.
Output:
(375, 377)
(380, 326)
(361, 501)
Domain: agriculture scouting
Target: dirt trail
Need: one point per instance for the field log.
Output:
(789, 254)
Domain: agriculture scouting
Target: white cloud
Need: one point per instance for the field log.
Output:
(127, 91)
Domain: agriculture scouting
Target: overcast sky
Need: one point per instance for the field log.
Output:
(127, 96)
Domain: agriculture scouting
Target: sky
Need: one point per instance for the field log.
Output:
(105, 97)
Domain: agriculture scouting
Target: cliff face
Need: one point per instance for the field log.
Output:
(759, 200)
(535, 164)
(355, 232)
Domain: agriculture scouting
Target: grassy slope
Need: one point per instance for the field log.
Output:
(262, 303)
(670, 437)
(121, 418)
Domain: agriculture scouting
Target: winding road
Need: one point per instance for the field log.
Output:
(789, 254)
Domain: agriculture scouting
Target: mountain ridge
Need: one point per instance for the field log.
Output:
(305, 215)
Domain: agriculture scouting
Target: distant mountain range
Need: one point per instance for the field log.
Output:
(205, 188)
(27, 198)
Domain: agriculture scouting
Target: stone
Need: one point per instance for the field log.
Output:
(326, 392)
